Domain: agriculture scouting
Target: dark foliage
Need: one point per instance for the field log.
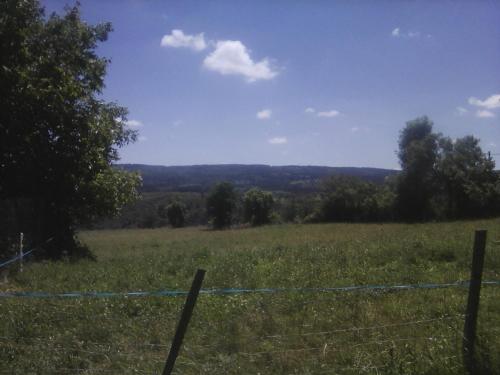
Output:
(200, 178)
(58, 138)
(174, 212)
(346, 198)
(442, 179)
(221, 203)
(418, 149)
(257, 207)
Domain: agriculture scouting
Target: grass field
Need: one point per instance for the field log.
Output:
(379, 332)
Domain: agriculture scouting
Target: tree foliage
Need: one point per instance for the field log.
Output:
(257, 206)
(444, 179)
(418, 150)
(347, 198)
(221, 202)
(58, 138)
(467, 177)
(175, 213)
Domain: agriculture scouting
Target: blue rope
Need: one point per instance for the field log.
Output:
(235, 291)
(17, 257)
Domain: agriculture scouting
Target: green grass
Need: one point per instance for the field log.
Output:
(405, 332)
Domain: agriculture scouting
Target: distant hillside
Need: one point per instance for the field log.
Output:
(197, 178)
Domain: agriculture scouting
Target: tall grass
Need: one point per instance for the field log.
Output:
(406, 332)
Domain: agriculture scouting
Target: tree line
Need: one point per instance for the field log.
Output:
(440, 179)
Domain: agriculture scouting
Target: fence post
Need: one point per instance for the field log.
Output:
(21, 254)
(473, 301)
(184, 321)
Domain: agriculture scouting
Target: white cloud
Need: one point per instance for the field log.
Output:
(483, 113)
(492, 144)
(142, 138)
(278, 140)
(134, 124)
(264, 114)
(178, 39)
(489, 103)
(332, 113)
(231, 57)
(176, 123)
(461, 111)
(397, 33)
(354, 129)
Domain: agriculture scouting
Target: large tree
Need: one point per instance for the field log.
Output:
(58, 137)
(444, 179)
(467, 177)
(418, 151)
(221, 203)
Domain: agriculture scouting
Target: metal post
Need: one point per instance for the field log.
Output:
(473, 301)
(21, 254)
(184, 321)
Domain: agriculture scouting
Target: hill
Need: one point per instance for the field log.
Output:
(199, 178)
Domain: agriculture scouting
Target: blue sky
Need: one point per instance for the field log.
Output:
(298, 82)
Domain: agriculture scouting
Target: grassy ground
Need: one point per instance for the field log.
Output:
(404, 332)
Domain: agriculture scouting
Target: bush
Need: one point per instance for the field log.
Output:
(175, 214)
(257, 206)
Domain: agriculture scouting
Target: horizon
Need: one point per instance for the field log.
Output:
(328, 84)
(254, 165)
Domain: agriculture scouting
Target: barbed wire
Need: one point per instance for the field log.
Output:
(63, 370)
(127, 350)
(322, 348)
(357, 329)
(311, 333)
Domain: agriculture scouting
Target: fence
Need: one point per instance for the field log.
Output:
(288, 348)
(22, 253)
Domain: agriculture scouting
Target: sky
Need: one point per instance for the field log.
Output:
(295, 82)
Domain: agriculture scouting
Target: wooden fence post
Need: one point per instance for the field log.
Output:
(473, 301)
(21, 254)
(184, 321)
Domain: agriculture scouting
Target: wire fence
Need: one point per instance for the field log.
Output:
(154, 352)
(236, 291)
(299, 348)
(23, 253)
(53, 335)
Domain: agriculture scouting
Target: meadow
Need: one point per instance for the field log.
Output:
(288, 332)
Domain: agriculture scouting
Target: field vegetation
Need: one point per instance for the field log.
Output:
(288, 332)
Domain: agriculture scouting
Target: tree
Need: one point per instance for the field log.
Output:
(257, 207)
(58, 137)
(296, 207)
(468, 179)
(221, 203)
(347, 198)
(175, 213)
(418, 150)
(442, 178)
